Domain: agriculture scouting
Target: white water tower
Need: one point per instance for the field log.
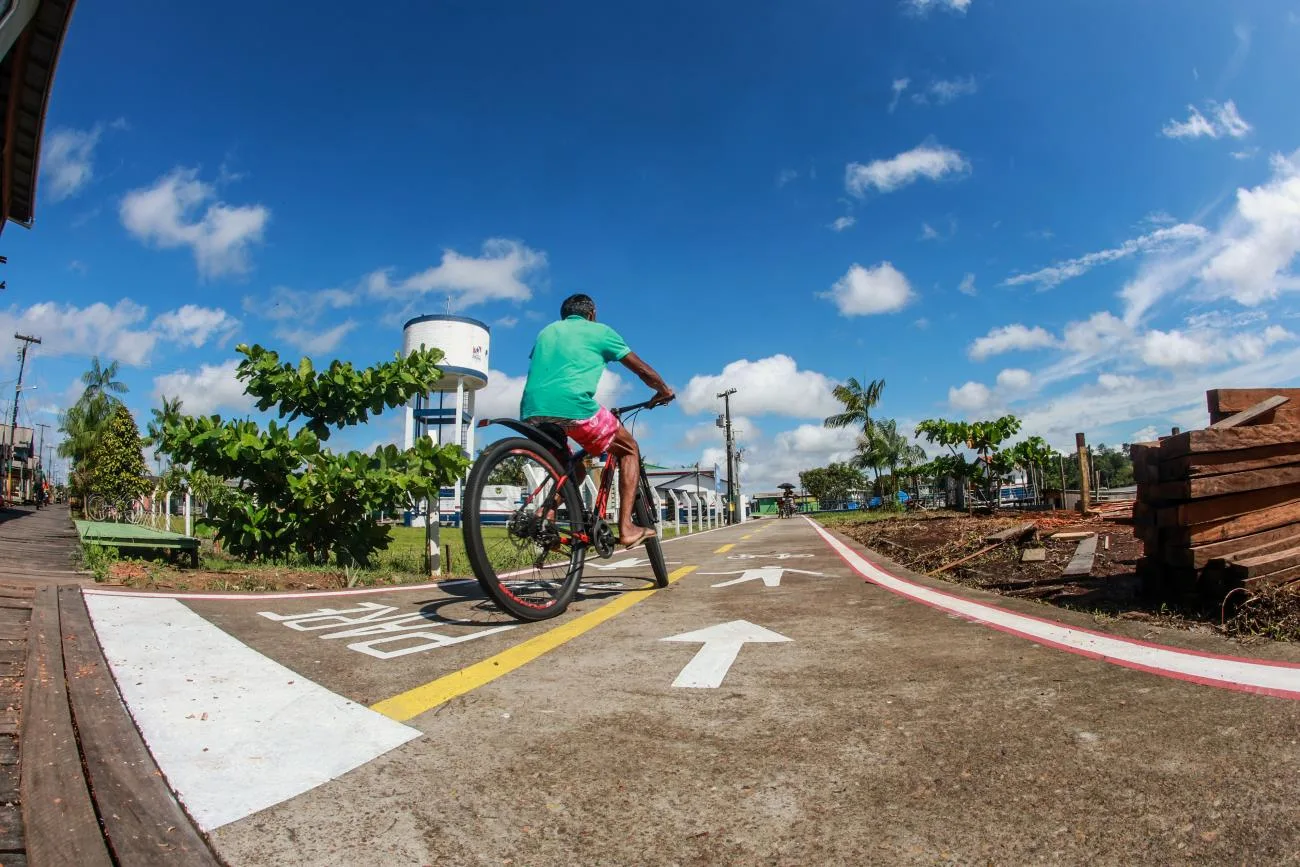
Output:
(446, 415)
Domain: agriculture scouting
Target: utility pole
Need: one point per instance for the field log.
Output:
(731, 480)
(27, 341)
(40, 462)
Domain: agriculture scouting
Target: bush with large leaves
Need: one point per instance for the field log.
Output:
(294, 495)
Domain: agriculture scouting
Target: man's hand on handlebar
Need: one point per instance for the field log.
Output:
(667, 395)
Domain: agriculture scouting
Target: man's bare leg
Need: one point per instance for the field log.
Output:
(624, 447)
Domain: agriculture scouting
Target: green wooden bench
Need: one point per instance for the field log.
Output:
(110, 534)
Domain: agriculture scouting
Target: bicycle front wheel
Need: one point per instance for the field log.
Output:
(96, 508)
(644, 515)
(523, 526)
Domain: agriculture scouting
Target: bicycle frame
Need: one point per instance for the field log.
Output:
(575, 460)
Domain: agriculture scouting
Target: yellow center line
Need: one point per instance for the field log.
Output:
(746, 536)
(414, 702)
(725, 548)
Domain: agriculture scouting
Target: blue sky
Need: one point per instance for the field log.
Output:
(1083, 213)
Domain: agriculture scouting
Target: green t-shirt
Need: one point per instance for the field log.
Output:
(567, 361)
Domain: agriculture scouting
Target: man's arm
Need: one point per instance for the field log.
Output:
(647, 374)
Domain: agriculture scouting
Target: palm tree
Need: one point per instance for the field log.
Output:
(102, 381)
(166, 414)
(858, 403)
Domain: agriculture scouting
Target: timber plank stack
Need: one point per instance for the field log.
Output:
(1221, 506)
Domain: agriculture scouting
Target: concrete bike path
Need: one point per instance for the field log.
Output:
(883, 730)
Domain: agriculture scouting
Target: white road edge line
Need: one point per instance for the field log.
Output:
(319, 594)
(232, 731)
(1280, 679)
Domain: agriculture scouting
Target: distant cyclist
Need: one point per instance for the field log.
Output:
(563, 373)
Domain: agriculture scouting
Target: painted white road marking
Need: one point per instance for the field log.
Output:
(1280, 679)
(722, 644)
(233, 731)
(630, 563)
(781, 556)
(769, 575)
(394, 627)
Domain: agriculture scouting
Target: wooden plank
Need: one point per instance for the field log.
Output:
(1081, 562)
(1200, 556)
(1290, 539)
(1033, 555)
(142, 820)
(1264, 564)
(1229, 483)
(1228, 506)
(1016, 532)
(1250, 523)
(13, 631)
(1224, 402)
(61, 826)
(1246, 416)
(11, 831)
(946, 566)
(1274, 579)
(1239, 460)
(1200, 441)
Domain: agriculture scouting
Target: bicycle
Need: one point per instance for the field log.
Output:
(100, 508)
(528, 554)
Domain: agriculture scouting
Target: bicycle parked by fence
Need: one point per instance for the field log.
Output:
(102, 508)
(528, 554)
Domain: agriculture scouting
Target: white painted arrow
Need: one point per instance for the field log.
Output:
(722, 644)
(769, 575)
(629, 563)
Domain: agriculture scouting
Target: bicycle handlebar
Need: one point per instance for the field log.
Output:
(618, 412)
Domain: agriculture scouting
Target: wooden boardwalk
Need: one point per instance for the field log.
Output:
(38, 545)
(77, 783)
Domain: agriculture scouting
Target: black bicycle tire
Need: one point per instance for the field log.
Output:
(476, 551)
(654, 550)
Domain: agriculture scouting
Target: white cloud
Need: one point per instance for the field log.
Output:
(921, 323)
(928, 232)
(867, 291)
(1176, 349)
(1247, 259)
(67, 160)
(1009, 338)
(167, 215)
(1100, 332)
(922, 7)
(1115, 382)
(1226, 121)
(923, 161)
(210, 389)
(785, 176)
(499, 274)
(769, 463)
(115, 332)
(899, 85)
(283, 303)
(1145, 435)
(1046, 278)
(1246, 154)
(773, 385)
(313, 341)
(967, 285)
(971, 397)
(195, 325)
(506, 322)
(943, 91)
(842, 223)
(1014, 380)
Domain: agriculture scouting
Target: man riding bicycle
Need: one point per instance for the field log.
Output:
(563, 373)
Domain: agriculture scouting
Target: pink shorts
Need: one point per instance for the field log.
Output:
(596, 433)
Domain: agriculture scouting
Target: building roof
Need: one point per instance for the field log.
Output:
(22, 436)
(26, 78)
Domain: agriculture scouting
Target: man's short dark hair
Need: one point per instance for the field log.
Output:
(578, 305)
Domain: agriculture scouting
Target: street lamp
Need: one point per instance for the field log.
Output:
(731, 484)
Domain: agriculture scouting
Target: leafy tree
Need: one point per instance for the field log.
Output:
(1035, 457)
(295, 496)
(832, 485)
(985, 438)
(117, 468)
(102, 381)
(509, 472)
(169, 411)
(858, 401)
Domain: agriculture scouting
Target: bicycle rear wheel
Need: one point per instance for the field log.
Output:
(522, 522)
(644, 515)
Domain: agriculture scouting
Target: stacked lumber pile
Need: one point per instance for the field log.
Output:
(1222, 505)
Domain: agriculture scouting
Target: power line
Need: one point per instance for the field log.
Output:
(27, 341)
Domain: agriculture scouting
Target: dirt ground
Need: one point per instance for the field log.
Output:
(925, 543)
(145, 575)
